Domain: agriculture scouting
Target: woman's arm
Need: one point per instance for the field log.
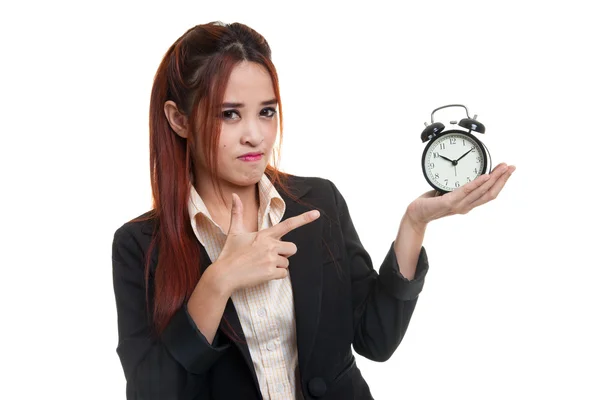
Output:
(407, 245)
(207, 304)
(155, 368)
(383, 302)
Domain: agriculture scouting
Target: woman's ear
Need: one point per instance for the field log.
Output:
(177, 120)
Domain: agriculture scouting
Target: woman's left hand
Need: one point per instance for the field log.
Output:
(431, 205)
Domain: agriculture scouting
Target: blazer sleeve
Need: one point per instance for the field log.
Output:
(173, 366)
(383, 302)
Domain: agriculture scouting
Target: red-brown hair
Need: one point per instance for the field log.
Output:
(193, 74)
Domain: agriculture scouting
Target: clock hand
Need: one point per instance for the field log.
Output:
(446, 158)
(465, 154)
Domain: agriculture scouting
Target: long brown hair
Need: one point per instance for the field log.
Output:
(193, 73)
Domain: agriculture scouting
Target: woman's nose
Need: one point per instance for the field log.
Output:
(252, 134)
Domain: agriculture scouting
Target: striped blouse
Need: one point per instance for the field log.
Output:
(266, 311)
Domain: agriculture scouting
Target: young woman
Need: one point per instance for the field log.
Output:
(243, 282)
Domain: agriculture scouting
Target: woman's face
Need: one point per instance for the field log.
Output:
(249, 125)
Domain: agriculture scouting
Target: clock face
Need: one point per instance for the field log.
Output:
(452, 160)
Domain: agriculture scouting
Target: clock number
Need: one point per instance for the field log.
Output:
(446, 182)
(475, 170)
(436, 155)
(431, 165)
(452, 140)
(456, 184)
(464, 144)
(478, 160)
(468, 179)
(443, 146)
(436, 176)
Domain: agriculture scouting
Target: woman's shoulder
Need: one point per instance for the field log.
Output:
(310, 185)
(314, 192)
(137, 228)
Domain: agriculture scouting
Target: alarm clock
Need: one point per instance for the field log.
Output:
(454, 157)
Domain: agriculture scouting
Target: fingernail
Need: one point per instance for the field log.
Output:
(314, 214)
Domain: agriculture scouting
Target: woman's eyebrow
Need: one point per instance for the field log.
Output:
(240, 105)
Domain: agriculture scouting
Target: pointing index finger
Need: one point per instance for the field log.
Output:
(290, 224)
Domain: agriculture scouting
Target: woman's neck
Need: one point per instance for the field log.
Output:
(221, 211)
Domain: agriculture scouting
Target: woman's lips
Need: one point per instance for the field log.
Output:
(255, 157)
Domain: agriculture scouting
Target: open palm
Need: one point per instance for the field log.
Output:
(430, 205)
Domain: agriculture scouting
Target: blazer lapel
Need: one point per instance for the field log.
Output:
(306, 278)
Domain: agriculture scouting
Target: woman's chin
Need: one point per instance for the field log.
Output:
(246, 178)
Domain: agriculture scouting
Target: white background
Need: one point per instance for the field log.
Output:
(510, 305)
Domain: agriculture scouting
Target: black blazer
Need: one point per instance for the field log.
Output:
(339, 301)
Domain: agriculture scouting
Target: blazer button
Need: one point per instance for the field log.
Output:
(317, 387)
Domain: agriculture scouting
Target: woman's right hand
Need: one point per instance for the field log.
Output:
(251, 258)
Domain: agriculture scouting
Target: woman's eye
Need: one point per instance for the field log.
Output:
(268, 112)
(231, 114)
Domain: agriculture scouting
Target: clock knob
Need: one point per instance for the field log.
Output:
(472, 124)
(431, 131)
